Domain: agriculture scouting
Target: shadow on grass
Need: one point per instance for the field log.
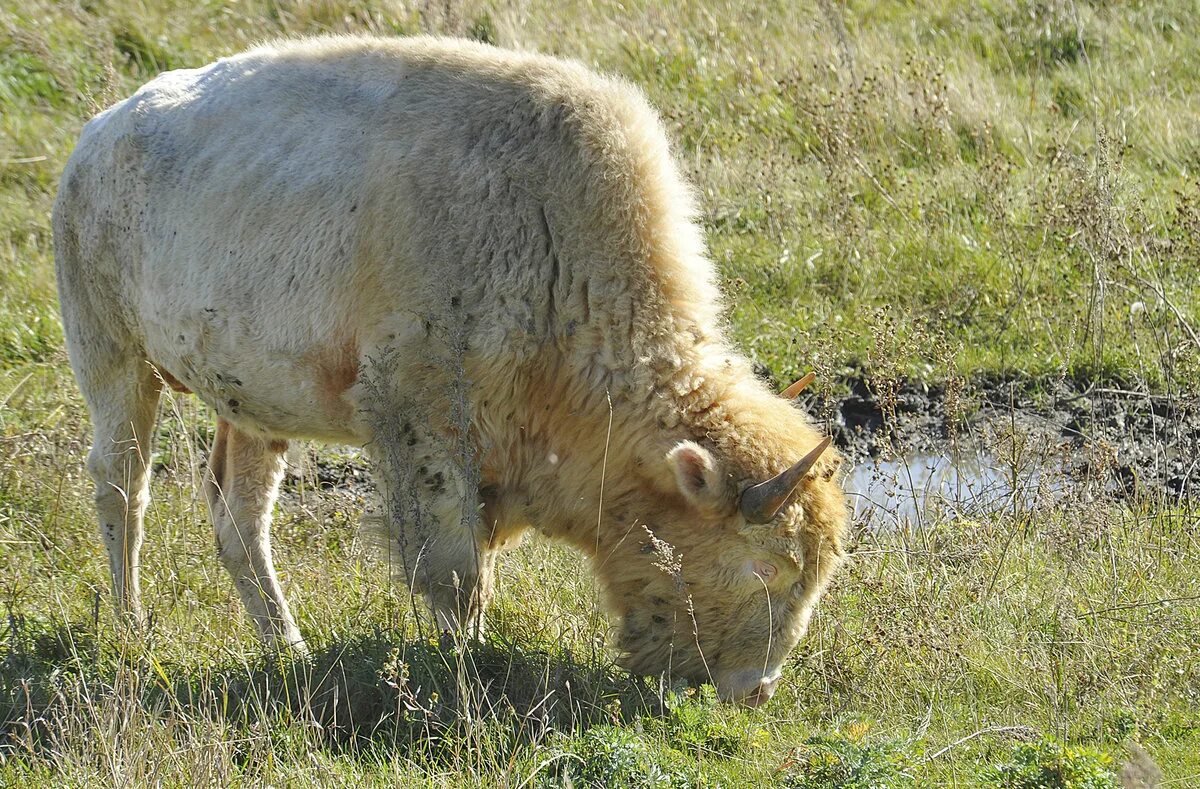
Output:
(376, 692)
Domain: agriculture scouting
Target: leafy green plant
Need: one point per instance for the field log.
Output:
(696, 722)
(1049, 764)
(608, 756)
(483, 30)
(843, 760)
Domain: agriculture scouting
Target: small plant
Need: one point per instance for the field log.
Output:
(845, 761)
(1048, 764)
(483, 30)
(696, 723)
(608, 756)
(145, 55)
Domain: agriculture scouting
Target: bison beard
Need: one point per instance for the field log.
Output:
(483, 267)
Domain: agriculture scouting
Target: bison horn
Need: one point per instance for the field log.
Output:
(760, 502)
(798, 387)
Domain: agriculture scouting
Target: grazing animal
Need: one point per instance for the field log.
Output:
(482, 266)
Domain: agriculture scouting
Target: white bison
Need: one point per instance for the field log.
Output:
(482, 266)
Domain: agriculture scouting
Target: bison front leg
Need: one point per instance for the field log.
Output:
(434, 531)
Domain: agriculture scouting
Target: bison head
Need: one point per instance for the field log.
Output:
(719, 579)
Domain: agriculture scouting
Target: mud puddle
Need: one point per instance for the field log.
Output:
(1013, 447)
(913, 490)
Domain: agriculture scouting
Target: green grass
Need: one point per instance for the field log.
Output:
(937, 190)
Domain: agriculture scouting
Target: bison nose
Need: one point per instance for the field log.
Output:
(766, 689)
(749, 688)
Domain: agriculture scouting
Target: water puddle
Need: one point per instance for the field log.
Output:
(920, 488)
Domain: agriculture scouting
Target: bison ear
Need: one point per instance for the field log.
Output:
(696, 473)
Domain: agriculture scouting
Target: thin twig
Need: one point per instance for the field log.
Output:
(603, 471)
(1026, 730)
(1145, 604)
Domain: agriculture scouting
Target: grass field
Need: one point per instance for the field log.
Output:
(935, 191)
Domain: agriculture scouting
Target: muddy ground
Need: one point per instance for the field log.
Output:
(1124, 442)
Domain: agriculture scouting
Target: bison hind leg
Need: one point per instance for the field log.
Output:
(122, 396)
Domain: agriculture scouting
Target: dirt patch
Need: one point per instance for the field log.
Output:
(1123, 442)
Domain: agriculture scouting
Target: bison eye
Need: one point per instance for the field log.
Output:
(798, 589)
